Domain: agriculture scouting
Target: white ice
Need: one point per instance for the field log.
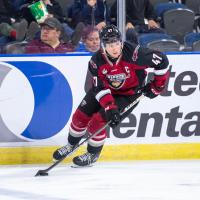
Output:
(139, 180)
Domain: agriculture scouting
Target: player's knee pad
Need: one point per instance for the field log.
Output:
(79, 123)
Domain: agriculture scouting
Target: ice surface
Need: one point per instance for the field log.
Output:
(139, 180)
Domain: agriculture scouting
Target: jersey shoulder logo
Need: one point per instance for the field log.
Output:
(104, 71)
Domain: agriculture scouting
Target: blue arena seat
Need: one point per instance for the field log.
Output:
(155, 2)
(161, 8)
(194, 5)
(190, 38)
(145, 38)
(196, 46)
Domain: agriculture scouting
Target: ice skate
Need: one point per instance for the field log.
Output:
(85, 160)
(62, 152)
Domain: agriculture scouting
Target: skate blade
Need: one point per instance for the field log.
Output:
(77, 166)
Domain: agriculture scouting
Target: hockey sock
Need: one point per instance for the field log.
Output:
(94, 150)
(73, 140)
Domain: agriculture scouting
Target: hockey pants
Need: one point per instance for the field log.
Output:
(90, 116)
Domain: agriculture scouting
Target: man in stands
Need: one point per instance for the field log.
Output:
(119, 72)
(12, 26)
(90, 12)
(136, 13)
(49, 41)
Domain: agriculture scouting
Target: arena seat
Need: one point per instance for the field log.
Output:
(178, 22)
(144, 39)
(161, 8)
(155, 2)
(194, 5)
(14, 48)
(196, 46)
(189, 39)
(164, 45)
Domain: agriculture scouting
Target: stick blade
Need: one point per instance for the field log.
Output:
(42, 173)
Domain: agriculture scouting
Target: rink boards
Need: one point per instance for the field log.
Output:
(39, 93)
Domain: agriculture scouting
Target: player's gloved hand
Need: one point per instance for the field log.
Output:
(151, 91)
(112, 115)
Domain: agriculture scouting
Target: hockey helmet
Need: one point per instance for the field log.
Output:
(110, 34)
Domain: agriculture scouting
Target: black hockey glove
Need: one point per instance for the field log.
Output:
(112, 115)
(150, 91)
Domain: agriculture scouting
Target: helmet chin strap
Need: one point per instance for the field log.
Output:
(103, 47)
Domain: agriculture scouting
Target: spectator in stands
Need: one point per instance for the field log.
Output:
(14, 31)
(8, 13)
(12, 27)
(49, 41)
(68, 34)
(136, 13)
(25, 11)
(90, 12)
(90, 40)
(54, 9)
(18, 3)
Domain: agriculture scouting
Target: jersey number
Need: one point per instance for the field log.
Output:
(156, 59)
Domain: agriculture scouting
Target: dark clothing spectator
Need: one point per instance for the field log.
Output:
(74, 12)
(37, 46)
(25, 11)
(95, 15)
(55, 9)
(12, 28)
(7, 11)
(18, 3)
(80, 10)
(136, 11)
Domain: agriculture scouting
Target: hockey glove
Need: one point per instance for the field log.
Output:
(112, 115)
(151, 91)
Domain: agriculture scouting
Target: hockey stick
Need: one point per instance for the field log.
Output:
(44, 172)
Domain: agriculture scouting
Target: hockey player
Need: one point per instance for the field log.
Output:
(118, 70)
